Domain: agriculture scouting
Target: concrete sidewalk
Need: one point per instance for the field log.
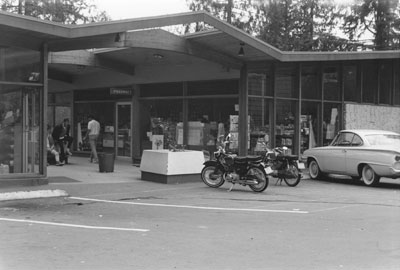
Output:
(78, 171)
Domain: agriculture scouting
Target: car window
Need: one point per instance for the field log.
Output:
(383, 139)
(357, 141)
(334, 141)
(343, 139)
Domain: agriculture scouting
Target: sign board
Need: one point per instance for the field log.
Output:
(120, 92)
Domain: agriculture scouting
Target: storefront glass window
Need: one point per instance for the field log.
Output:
(351, 90)
(285, 81)
(385, 82)
(260, 129)
(208, 119)
(285, 124)
(104, 113)
(59, 108)
(396, 97)
(256, 84)
(310, 86)
(309, 125)
(331, 122)
(369, 82)
(331, 84)
(19, 65)
(220, 87)
(159, 124)
(161, 90)
(19, 129)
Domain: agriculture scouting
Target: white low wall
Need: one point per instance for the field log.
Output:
(166, 162)
(357, 116)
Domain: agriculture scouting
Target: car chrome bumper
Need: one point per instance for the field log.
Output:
(395, 172)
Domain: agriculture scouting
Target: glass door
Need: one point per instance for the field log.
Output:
(124, 130)
(19, 130)
(30, 126)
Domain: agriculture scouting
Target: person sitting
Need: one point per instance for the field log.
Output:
(51, 148)
(61, 136)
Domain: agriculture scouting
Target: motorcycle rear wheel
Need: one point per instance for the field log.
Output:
(292, 182)
(260, 176)
(212, 176)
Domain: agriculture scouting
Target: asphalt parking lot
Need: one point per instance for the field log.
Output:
(330, 224)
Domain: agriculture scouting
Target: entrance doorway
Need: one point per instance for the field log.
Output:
(30, 130)
(19, 130)
(123, 129)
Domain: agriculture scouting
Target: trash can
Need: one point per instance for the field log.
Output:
(106, 162)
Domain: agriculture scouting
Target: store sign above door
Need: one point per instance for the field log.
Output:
(120, 92)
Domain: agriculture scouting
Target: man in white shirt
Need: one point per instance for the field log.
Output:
(92, 133)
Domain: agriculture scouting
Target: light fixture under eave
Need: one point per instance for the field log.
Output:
(158, 56)
(241, 50)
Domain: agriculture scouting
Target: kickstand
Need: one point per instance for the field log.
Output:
(230, 189)
(279, 180)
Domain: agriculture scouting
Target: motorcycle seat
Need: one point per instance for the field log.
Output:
(244, 159)
(289, 157)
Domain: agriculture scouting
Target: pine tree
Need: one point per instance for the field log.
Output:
(62, 11)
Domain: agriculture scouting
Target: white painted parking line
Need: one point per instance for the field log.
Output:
(332, 208)
(143, 191)
(194, 207)
(73, 225)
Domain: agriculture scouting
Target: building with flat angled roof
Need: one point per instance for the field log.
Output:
(152, 89)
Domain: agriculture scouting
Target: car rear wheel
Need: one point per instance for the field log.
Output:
(369, 177)
(314, 170)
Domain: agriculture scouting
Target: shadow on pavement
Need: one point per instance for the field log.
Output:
(385, 183)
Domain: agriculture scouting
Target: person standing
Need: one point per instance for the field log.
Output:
(58, 136)
(92, 134)
(68, 139)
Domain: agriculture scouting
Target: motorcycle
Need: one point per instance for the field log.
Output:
(246, 170)
(284, 167)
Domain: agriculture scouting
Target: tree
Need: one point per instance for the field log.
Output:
(379, 19)
(241, 13)
(300, 25)
(62, 11)
(317, 25)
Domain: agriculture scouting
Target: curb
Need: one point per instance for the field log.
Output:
(22, 195)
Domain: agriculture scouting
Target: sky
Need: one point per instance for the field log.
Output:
(126, 9)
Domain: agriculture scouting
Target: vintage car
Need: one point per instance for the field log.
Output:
(365, 154)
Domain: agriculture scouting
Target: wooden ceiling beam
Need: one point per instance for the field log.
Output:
(162, 40)
(87, 58)
(103, 41)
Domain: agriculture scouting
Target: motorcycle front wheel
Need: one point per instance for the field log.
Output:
(212, 176)
(260, 176)
(294, 171)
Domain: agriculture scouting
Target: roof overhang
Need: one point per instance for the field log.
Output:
(121, 45)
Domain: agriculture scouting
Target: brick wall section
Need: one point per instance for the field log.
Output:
(358, 116)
